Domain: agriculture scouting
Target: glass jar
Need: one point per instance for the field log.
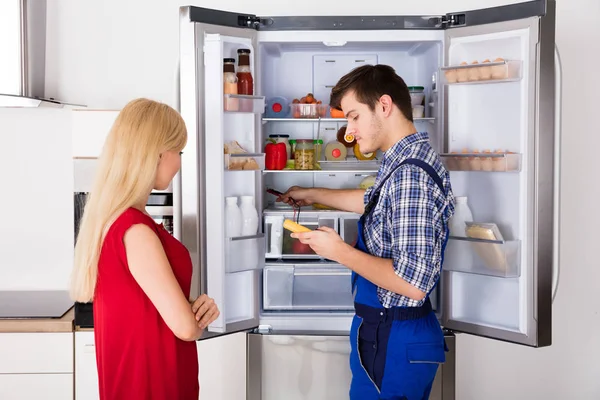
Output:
(417, 95)
(244, 75)
(285, 140)
(304, 154)
(230, 85)
(318, 143)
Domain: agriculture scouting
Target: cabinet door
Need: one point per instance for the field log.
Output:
(222, 365)
(86, 373)
(36, 353)
(36, 386)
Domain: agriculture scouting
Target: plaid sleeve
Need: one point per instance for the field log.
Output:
(412, 216)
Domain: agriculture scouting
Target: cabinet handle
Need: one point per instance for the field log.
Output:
(89, 348)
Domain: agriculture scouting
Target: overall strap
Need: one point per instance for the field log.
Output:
(375, 197)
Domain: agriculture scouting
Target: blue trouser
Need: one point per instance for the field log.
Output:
(395, 352)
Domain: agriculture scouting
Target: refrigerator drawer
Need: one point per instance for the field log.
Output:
(307, 288)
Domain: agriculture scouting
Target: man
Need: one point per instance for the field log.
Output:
(397, 343)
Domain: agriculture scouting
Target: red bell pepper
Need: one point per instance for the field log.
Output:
(275, 156)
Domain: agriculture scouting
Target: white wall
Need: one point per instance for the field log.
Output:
(105, 53)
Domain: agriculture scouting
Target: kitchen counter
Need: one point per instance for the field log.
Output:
(33, 325)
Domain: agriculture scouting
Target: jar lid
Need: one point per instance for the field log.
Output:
(319, 141)
(281, 136)
(304, 141)
(243, 51)
(229, 60)
(292, 141)
(416, 88)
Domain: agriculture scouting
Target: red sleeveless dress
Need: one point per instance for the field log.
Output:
(138, 356)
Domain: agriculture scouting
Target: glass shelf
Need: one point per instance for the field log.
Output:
(329, 167)
(344, 120)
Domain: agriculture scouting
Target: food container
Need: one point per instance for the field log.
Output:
(300, 110)
(304, 154)
(418, 111)
(417, 95)
(318, 147)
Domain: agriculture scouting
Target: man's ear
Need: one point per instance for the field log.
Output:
(386, 105)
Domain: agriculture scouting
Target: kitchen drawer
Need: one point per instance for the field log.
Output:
(36, 386)
(307, 287)
(35, 353)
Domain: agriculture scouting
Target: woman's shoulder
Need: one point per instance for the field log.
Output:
(128, 218)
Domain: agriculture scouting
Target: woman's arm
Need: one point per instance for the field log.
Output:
(150, 268)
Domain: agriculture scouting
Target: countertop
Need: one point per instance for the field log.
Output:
(63, 324)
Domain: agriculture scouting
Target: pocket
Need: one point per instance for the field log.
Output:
(426, 353)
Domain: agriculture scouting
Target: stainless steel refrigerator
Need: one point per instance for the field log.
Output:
(486, 85)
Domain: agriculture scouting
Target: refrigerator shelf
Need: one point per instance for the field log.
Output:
(344, 120)
(245, 162)
(486, 162)
(491, 72)
(307, 288)
(328, 167)
(240, 103)
(244, 253)
(500, 258)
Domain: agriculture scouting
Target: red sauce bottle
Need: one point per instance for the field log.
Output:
(244, 75)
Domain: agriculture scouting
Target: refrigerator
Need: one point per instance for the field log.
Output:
(488, 81)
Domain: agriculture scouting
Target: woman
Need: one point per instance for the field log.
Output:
(136, 273)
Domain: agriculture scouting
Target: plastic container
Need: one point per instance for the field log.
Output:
(230, 85)
(277, 107)
(418, 111)
(417, 95)
(233, 218)
(318, 143)
(462, 215)
(249, 216)
(299, 110)
(304, 154)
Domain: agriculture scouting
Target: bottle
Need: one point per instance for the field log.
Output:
(230, 85)
(233, 218)
(459, 254)
(462, 215)
(244, 75)
(249, 216)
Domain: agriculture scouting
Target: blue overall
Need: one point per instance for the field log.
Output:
(395, 352)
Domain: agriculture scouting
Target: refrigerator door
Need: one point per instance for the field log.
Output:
(225, 268)
(501, 116)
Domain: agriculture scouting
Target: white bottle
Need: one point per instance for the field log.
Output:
(249, 216)
(462, 215)
(233, 218)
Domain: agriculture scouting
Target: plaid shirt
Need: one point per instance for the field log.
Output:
(408, 224)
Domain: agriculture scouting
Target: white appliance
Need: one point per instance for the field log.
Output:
(494, 127)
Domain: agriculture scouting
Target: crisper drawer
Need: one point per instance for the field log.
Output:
(302, 287)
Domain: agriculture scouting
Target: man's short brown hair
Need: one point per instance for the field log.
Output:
(369, 83)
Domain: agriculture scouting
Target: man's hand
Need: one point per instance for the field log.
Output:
(324, 241)
(297, 196)
(206, 310)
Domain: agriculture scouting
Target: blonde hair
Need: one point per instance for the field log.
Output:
(125, 176)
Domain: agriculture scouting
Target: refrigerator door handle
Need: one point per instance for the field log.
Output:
(557, 169)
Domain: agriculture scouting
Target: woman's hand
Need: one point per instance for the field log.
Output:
(206, 310)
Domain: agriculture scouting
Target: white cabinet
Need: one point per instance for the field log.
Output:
(86, 374)
(36, 386)
(90, 128)
(36, 366)
(222, 364)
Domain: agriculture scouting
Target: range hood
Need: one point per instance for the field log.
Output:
(32, 34)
